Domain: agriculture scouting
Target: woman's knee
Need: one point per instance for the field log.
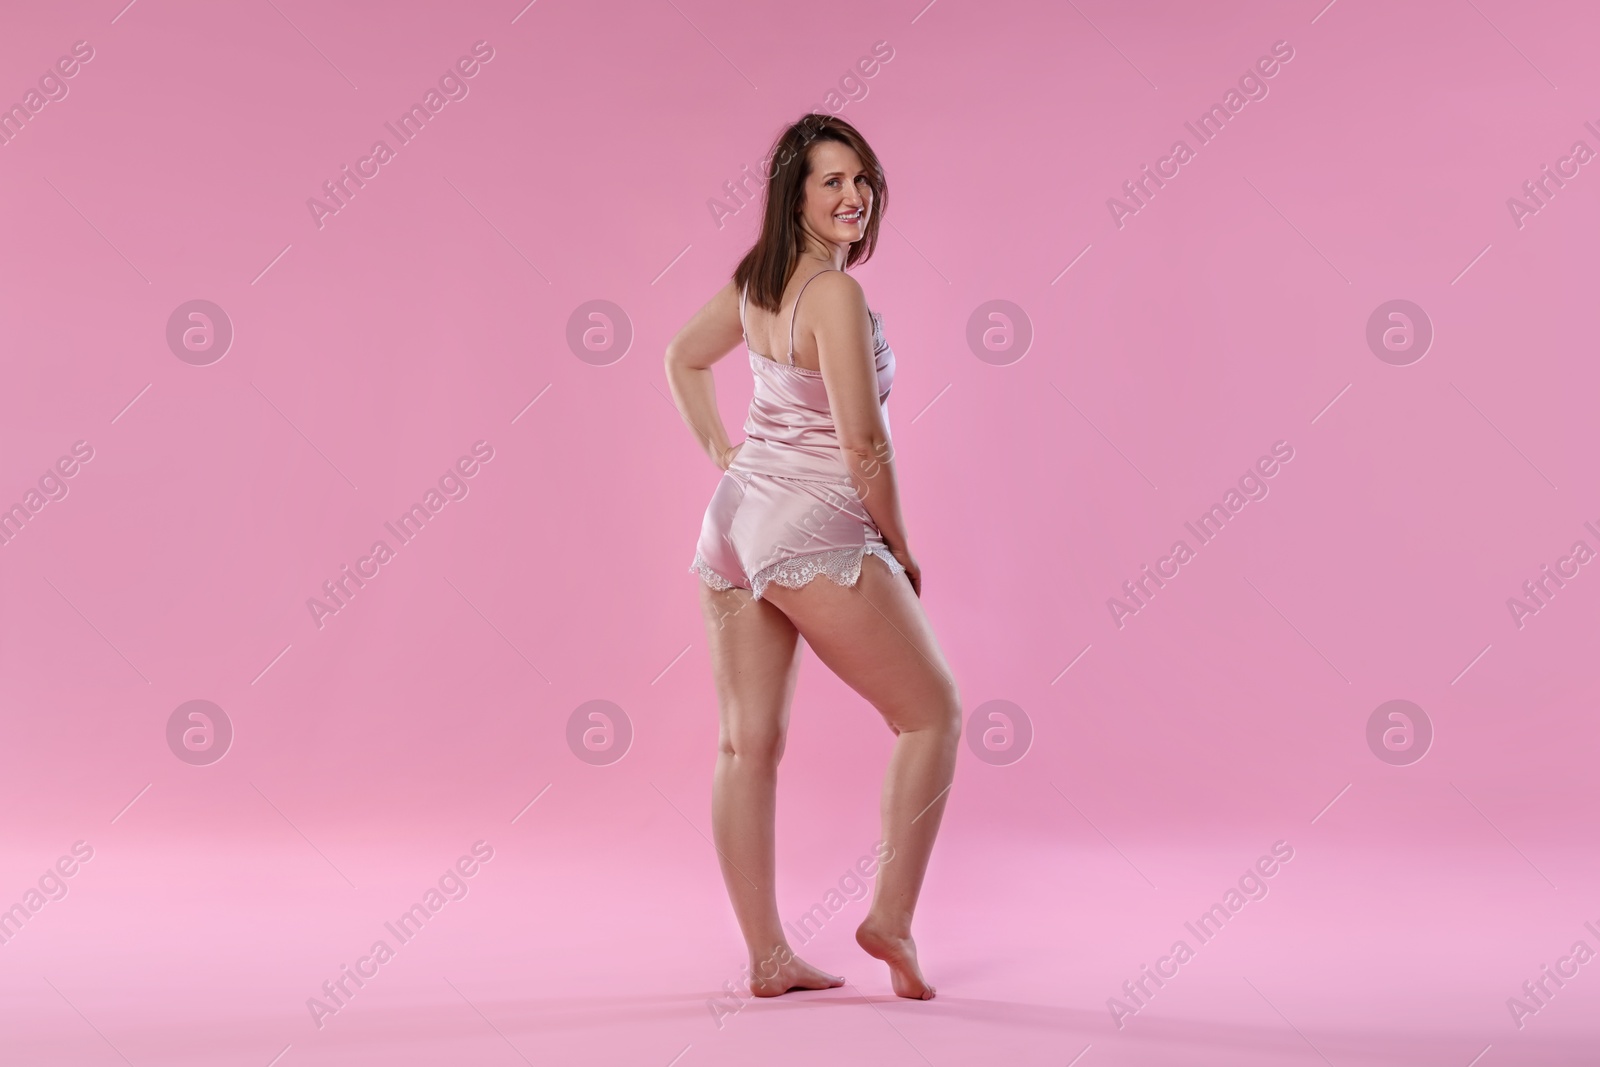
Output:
(937, 713)
(948, 700)
(757, 745)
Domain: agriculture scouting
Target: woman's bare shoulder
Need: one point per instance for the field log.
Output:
(837, 295)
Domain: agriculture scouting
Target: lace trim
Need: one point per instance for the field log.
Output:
(709, 576)
(841, 565)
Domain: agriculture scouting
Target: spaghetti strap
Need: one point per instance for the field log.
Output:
(742, 332)
(796, 309)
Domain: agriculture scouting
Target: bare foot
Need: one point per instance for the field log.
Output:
(795, 974)
(900, 953)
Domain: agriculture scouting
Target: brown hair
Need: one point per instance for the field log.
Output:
(766, 267)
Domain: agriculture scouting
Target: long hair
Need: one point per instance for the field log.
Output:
(766, 267)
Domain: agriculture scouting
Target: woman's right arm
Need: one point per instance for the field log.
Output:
(706, 338)
(845, 352)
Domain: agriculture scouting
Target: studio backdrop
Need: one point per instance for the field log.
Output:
(355, 690)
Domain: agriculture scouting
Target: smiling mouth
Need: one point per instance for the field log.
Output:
(854, 216)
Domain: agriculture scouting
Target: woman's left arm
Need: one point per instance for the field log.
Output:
(706, 338)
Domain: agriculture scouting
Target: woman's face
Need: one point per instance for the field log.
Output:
(838, 196)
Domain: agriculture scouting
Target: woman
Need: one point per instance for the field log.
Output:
(811, 492)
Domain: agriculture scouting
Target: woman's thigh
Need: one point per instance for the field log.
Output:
(876, 637)
(755, 660)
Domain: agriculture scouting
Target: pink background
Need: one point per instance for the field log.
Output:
(429, 313)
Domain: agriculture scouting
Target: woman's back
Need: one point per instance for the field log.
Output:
(790, 431)
(773, 335)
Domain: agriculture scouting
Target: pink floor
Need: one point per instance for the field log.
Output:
(563, 953)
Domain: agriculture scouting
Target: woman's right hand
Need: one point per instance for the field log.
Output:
(913, 569)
